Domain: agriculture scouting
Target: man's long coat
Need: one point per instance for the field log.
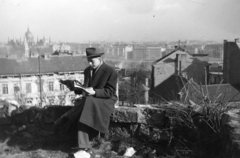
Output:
(95, 111)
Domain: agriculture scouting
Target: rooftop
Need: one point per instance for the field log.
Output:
(215, 93)
(51, 65)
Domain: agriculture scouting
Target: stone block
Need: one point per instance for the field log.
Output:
(119, 132)
(5, 120)
(143, 132)
(35, 115)
(153, 116)
(147, 133)
(231, 125)
(157, 135)
(125, 114)
(52, 113)
(20, 118)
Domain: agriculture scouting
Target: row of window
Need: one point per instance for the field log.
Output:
(51, 86)
(5, 88)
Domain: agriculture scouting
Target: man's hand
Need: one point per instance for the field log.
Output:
(90, 91)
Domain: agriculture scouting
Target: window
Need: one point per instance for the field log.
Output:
(50, 86)
(51, 99)
(61, 87)
(5, 88)
(16, 88)
(28, 88)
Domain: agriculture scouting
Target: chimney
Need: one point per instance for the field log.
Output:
(207, 74)
(146, 93)
(226, 61)
(180, 67)
(176, 64)
(236, 40)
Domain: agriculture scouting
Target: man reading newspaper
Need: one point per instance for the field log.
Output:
(97, 104)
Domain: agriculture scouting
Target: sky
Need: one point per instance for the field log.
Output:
(120, 20)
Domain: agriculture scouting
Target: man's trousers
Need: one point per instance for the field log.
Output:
(86, 135)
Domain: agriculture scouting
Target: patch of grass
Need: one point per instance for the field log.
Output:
(196, 128)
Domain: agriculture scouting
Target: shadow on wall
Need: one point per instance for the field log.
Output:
(168, 90)
(197, 71)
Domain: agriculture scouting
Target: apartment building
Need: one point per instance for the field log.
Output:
(27, 80)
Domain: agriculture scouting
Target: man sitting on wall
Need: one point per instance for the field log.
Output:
(99, 96)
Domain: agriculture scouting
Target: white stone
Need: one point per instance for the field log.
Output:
(129, 152)
(82, 154)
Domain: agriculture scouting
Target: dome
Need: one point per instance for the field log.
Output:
(29, 36)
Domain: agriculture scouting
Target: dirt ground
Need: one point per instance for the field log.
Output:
(43, 142)
(34, 142)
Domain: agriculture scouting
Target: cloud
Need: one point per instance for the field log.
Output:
(117, 21)
(122, 19)
(139, 6)
(167, 6)
(103, 8)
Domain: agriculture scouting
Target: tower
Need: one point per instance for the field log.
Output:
(29, 38)
(26, 47)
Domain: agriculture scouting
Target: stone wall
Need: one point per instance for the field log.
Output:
(231, 134)
(231, 58)
(142, 124)
(126, 122)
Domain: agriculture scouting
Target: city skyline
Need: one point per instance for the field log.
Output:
(125, 20)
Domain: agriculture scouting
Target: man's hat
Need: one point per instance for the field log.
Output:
(93, 52)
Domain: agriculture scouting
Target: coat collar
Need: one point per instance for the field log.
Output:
(98, 75)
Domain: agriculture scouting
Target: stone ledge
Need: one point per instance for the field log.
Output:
(126, 122)
(231, 124)
(50, 114)
(138, 115)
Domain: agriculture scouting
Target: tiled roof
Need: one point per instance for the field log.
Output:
(3, 52)
(54, 64)
(226, 92)
(18, 51)
(215, 93)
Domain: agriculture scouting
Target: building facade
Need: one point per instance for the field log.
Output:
(231, 73)
(26, 89)
(171, 72)
(34, 78)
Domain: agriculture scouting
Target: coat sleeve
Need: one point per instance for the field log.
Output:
(79, 90)
(109, 89)
(73, 88)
